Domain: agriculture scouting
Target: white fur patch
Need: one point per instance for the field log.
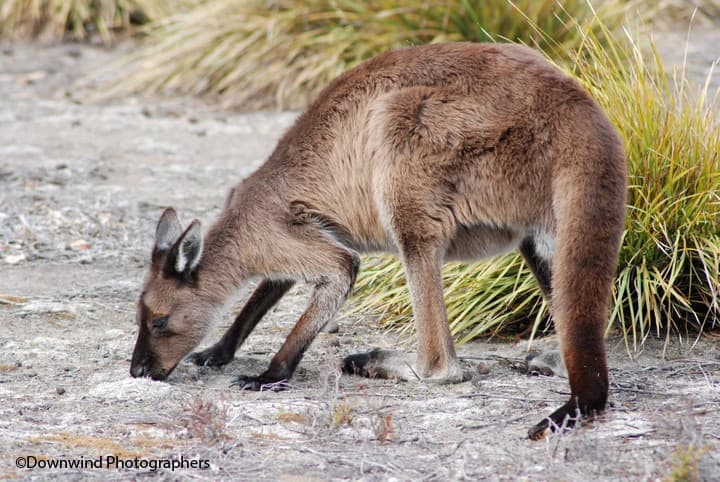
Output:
(181, 261)
(545, 245)
(192, 241)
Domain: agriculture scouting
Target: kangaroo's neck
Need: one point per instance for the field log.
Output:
(230, 249)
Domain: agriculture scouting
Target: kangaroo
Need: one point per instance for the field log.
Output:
(438, 152)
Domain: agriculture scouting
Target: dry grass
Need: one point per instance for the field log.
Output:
(53, 20)
(685, 463)
(669, 272)
(135, 447)
(205, 420)
(249, 55)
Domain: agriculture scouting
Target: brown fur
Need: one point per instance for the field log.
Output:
(446, 151)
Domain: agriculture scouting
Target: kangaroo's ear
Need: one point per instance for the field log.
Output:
(185, 254)
(167, 232)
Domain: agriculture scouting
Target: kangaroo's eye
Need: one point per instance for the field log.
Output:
(160, 324)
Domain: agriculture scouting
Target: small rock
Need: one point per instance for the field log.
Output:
(482, 368)
(332, 327)
(15, 258)
(87, 259)
(104, 218)
(60, 390)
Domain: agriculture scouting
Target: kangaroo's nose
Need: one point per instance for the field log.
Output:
(138, 370)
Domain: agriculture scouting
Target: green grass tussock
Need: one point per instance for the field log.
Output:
(669, 271)
(495, 296)
(53, 20)
(255, 54)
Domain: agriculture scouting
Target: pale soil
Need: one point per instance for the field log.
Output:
(81, 187)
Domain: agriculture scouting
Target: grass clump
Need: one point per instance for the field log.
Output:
(341, 413)
(497, 295)
(686, 464)
(255, 54)
(53, 20)
(669, 271)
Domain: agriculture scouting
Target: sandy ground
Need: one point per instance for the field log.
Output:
(81, 187)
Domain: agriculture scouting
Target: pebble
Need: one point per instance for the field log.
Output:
(60, 390)
(332, 327)
(482, 368)
(14, 258)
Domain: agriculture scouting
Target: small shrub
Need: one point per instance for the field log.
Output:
(383, 426)
(685, 464)
(204, 420)
(341, 413)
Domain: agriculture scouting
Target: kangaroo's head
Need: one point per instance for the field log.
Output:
(172, 315)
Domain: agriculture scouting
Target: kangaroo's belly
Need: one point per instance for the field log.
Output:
(482, 241)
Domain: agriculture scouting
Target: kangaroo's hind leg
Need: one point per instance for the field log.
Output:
(422, 226)
(538, 264)
(538, 255)
(436, 359)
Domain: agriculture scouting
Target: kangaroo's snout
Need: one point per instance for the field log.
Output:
(144, 368)
(138, 371)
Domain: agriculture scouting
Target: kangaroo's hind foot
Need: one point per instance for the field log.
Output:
(391, 364)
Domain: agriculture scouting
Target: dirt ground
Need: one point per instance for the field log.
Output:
(81, 187)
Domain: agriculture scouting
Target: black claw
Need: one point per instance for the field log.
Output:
(561, 420)
(539, 431)
(209, 358)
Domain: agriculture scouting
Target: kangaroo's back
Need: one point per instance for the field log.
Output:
(490, 109)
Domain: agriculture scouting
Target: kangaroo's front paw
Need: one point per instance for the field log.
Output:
(260, 383)
(214, 356)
